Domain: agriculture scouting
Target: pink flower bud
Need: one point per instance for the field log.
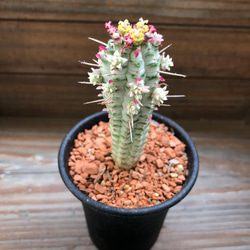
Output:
(101, 48)
(137, 52)
(107, 25)
(98, 56)
(161, 79)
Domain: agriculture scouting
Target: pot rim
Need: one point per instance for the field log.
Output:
(179, 132)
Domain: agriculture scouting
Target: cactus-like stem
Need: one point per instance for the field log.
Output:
(128, 75)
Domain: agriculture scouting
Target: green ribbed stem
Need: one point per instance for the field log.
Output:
(145, 65)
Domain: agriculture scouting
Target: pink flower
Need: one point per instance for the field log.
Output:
(157, 39)
(101, 48)
(112, 30)
(107, 25)
(98, 56)
(128, 40)
(161, 79)
(152, 28)
(137, 51)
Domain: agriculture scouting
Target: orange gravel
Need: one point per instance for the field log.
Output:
(158, 176)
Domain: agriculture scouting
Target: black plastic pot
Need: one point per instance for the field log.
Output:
(113, 228)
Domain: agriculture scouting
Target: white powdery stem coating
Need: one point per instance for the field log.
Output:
(123, 155)
(118, 82)
(151, 60)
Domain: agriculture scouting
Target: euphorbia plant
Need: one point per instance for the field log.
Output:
(128, 73)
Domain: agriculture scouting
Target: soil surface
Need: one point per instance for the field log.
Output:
(158, 176)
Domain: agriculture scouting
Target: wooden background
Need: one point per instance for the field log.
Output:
(41, 43)
(37, 211)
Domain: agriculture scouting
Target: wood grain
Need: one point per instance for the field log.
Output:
(37, 211)
(196, 12)
(42, 42)
(63, 96)
(56, 48)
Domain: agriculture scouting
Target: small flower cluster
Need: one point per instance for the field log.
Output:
(116, 61)
(159, 95)
(95, 77)
(137, 88)
(133, 107)
(108, 88)
(166, 62)
(137, 34)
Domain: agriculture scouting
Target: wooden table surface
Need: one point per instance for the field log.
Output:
(38, 212)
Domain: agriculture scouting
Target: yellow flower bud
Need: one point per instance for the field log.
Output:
(137, 36)
(124, 27)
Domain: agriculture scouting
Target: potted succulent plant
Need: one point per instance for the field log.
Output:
(128, 72)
